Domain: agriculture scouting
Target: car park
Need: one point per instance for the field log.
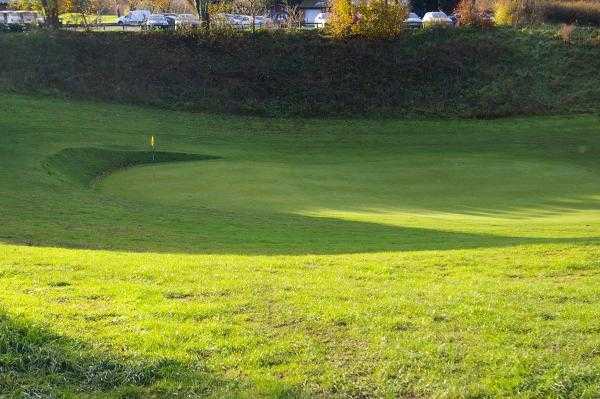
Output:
(436, 18)
(413, 21)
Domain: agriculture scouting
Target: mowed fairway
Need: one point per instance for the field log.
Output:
(296, 258)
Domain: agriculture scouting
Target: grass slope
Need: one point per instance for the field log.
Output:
(312, 258)
(442, 73)
(86, 165)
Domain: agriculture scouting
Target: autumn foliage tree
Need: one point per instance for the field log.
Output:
(517, 12)
(473, 12)
(342, 18)
(374, 19)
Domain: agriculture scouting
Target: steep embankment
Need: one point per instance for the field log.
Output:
(85, 165)
(466, 73)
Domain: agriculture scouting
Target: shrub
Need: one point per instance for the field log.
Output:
(377, 19)
(342, 18)
(517, 12)
(566, 32)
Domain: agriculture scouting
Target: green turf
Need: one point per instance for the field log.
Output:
(296, 257)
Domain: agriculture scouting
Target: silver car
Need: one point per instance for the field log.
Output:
(157, 21)
(413, 21)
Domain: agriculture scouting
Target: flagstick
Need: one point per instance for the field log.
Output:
(153, 158)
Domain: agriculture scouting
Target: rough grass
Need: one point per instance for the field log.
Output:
(320, 258)
(442, 73)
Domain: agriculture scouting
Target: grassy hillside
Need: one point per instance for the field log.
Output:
(296, 257)
(444, 73)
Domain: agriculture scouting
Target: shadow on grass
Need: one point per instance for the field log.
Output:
(302, 235)
(37, 363)
(273, 234)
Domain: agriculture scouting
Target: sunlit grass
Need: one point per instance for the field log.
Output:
(302, 258)
(80, 19)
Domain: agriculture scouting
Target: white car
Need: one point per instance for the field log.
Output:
(135, 17)
(321, 19)
(437, 18)
(413, 20)
(240, 21)
(243, 21)
(157, 21)
(261, 21)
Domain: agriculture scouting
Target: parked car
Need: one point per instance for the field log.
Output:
(261, 21)
(321, 19)
(242, 21)
(223, 19)
(279, 18)
(488, 17)
(236, 20)
(19, 20)
(9, 18)
(181, 21)
(454, 19)
(28, 17)
(436, 18)
(173, 20)
(188, 21)
(413, 21)
(134, 18)
(157, 21)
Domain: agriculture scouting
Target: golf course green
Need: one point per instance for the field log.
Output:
(254, 257)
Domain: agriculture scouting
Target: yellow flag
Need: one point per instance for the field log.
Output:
(152, 141)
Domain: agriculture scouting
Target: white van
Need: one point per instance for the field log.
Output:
(19, 18)
(135, 17)
(321, 19)
(10, 18)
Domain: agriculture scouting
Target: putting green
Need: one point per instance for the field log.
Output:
(453, 192)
